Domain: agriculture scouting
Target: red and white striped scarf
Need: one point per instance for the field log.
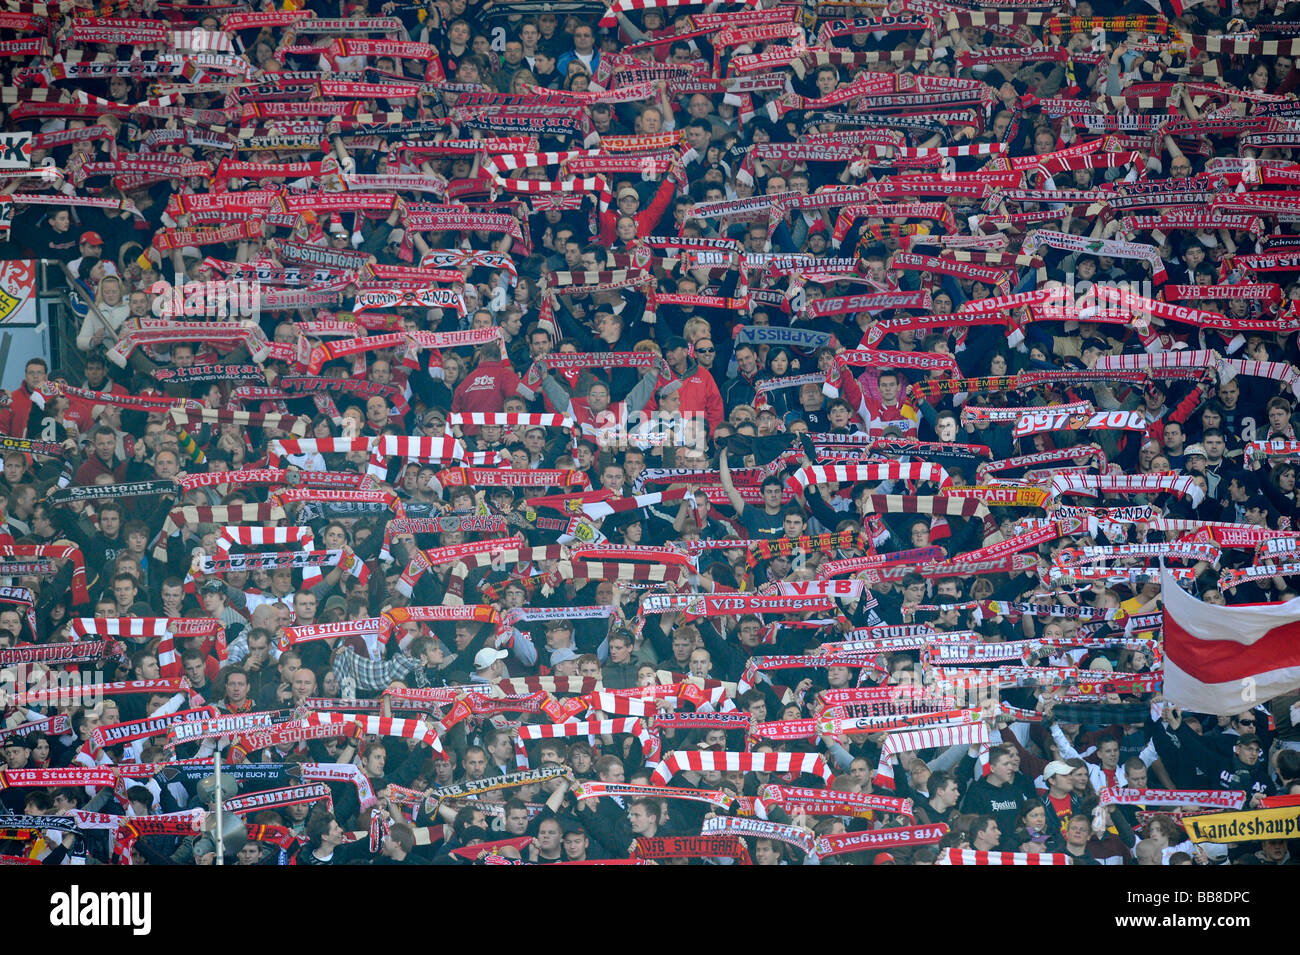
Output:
(901, 558)
(630, 552)
(1155, 483)
(729, 762)
(243, 476)
(594, 790)
(650, 745)
(976, 857)
(917, 471)
(244, 419)
(262, 536)
(731, 604)
(510, 419)
(281, 447)
(74, 651)
(972, 734)
(380, 726)
(180, 517)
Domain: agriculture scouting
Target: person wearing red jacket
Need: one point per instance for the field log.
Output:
(487, 386)
(15, 418)
(694, 386)
(628, 201)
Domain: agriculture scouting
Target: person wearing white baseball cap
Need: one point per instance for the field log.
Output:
(489, 665)
(1058, 800)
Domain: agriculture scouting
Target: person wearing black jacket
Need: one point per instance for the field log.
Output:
(1225, 738)
(942, 804)
(996, 794)
(1177, 761)
(325, 845)
(1243, 770)
(605, 820)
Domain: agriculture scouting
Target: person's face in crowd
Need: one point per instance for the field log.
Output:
(548, 838)
(124, 592)
(288, 665)
(700, 663)
(303, 684)
(259, 651)
(236, 688)
(1079, 779)
(640, 820)
(147, 669)
(377, 411)
(282, 582)
(464, 636)
(1248, 753)
(1077, 833)
(652, 121)
(195, 672)
(1003, 769)
(16, 757)
(105, 447)
(304, 606)
(766, 852)
(575, 846)
(947, 428)
(986, 840)
(476, 764)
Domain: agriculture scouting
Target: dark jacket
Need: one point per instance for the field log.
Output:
(1001, 802)
(1227, 772)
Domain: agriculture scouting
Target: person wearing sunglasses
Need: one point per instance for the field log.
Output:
(706, 354)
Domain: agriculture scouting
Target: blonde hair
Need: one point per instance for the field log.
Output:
(99, 289)
(696, 324)
(526, 78)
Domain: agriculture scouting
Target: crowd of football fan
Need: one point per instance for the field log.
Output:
(733, 317)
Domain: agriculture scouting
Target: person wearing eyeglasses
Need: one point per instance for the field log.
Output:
(1223, 739)
(1245, 768)
(706, 356)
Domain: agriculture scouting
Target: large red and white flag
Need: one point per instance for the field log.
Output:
(1223, 660)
